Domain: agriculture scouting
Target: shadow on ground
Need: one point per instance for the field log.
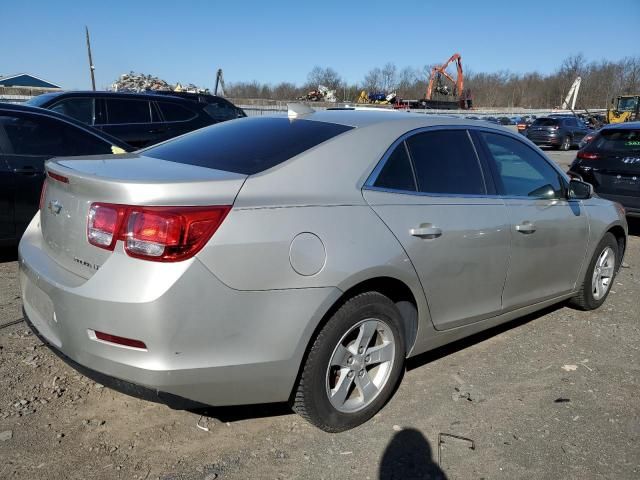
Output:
(8, 254)
(409, 456)
(634, 226)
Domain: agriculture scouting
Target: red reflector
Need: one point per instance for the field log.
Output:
(588, 155)
(60, 178)
(128, 342)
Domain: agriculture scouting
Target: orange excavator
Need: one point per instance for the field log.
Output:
(437, 85)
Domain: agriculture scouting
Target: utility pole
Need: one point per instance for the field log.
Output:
(91, 67)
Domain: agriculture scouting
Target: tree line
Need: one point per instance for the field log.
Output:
(601, 81)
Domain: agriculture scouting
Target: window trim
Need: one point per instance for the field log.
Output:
(491, 163)
(369, 184)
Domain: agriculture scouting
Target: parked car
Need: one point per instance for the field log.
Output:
(523, 124)
(587, 138)
(141, 119)
(505, 121)
(28, 137)
(611, 163)
(561, 132)
(277, 259)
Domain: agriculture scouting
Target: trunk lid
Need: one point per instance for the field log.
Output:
(129, 180)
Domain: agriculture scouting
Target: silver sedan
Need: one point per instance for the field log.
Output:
(304, 259)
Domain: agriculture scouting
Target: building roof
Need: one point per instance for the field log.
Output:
(26, 80)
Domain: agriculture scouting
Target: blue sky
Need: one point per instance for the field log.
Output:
(271, 41)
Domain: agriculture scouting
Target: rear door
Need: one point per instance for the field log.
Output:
(433, 195)
(133, 121)
(549, 233)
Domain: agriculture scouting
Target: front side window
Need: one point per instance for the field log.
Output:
(521, 171)
(35, 135)
(446, 163)
(127, 111)
(82, 109)
(397, 174)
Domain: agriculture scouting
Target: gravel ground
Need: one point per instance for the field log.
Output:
(554, 395)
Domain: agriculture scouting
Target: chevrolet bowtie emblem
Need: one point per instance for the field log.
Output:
(55, 207)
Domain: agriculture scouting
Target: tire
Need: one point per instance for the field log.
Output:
(566, 143)
(339, 397)
(601, 270)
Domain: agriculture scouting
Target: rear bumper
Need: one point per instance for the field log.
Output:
(205, 341)
(550, 140)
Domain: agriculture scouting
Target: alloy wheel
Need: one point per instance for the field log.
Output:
(603, 273)
(360, 365)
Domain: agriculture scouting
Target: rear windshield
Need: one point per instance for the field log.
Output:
(618, 140)
(246, 146)
(545, 122)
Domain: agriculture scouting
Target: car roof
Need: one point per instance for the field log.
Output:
(376, 116)
(172, 96)
(14, 107)
(623, 126)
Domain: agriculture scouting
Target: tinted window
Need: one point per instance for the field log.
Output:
(397, 173)
(617, 139)
(128, 111)
(521, 171)
(79, 108)
(445, 162)
(545, 122)
(221, 111)
(247, 146)
(172, 112)
(35, 135)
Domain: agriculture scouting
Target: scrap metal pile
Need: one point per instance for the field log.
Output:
(322, 94)
(139, 82)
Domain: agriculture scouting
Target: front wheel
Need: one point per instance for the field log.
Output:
(599, 276)
(353, 366)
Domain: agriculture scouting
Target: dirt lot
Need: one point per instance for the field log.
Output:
(554, 395)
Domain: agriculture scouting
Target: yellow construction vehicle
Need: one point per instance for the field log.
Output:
(624, 108)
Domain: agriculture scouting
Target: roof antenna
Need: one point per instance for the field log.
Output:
(296, 110)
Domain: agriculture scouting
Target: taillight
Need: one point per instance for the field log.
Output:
(588, 155)
(104, 224)
(166, 234)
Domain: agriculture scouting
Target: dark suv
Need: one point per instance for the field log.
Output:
(140, 119)
(558, 132)
(611, 163)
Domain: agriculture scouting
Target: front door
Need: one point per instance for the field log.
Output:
(549, 233)
(432, 195)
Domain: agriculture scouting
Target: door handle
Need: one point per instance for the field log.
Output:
(426, 230)
(25, 171)
(526, 227)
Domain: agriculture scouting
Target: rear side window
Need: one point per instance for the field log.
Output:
(246, 146)
(172, 112)
(127, 111)
(221, 111)
(397, 173)
(446, 163)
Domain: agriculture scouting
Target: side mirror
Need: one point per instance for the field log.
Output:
(579, 190)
